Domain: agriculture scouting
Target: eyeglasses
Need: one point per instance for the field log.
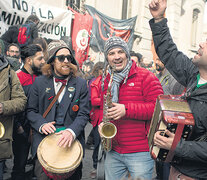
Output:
(61, 58)
(17, 52)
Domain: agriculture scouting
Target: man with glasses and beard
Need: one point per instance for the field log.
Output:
(168, 82)
(33, 59)
(69, 114)
(13, 50)
(13, 56)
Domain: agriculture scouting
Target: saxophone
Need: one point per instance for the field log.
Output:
(108, 129)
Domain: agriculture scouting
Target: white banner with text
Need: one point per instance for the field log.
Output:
(54, 22)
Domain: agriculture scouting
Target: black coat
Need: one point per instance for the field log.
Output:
(193, 154)
(42, 93)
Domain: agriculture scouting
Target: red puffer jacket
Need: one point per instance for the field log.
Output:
(95, 101)
(139, 96)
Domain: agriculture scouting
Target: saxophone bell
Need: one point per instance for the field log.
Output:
(2, 130)
(108, 132)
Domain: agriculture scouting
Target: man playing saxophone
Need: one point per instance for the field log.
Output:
(134, 91)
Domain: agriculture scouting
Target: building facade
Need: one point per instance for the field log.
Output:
(185, 19)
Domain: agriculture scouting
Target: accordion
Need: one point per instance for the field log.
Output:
(172, 113)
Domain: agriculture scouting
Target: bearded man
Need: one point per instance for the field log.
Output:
(33, 59)
(71, 110)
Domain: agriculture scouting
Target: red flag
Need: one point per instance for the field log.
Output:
(81, 31)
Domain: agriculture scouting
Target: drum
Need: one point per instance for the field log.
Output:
(59, 162)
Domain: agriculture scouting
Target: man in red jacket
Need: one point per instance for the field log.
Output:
(134, 92)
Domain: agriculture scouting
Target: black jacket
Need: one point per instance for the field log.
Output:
(193, 153)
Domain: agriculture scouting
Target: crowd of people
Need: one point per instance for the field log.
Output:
(44, 91)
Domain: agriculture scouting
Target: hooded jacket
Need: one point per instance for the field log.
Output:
(13, 100)
(192, 153)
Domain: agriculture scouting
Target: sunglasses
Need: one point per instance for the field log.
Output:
(61, 58)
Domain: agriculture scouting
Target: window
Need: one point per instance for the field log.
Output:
(74, 4)
(194, 27)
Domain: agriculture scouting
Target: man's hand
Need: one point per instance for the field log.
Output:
(66, 139)
(1, 108)
(164, 142)
(157, 9)
(48, 128)
(117, 111)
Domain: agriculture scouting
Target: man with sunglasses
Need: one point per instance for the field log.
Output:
(71, 110)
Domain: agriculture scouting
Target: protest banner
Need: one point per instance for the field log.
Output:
(81, 31)
(105, 27)
(54, 22)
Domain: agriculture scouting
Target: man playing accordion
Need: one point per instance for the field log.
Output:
(193, 75)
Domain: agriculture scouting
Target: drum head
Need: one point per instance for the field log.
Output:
(59, 159)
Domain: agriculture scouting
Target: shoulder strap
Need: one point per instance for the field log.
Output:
(53, 101)
(10, 82)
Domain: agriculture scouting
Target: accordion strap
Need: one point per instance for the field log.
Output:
(177, 138)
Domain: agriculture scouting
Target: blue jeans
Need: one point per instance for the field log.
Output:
(139, 165)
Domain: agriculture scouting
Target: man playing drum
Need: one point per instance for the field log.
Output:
(71, 110)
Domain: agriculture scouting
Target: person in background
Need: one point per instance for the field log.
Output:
(170, 87)
(168, 82)
(87, 69)
(12, 101)
(71, 110)
(2, 47)
(95, 87)
(192, 74)
(13, 56)
(13, 50)
(149, 65)
(11, 35)
(43, 44)
(33, 59)
(134, 92)
(137, 57)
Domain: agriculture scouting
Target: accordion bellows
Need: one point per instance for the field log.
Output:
(172, 113)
